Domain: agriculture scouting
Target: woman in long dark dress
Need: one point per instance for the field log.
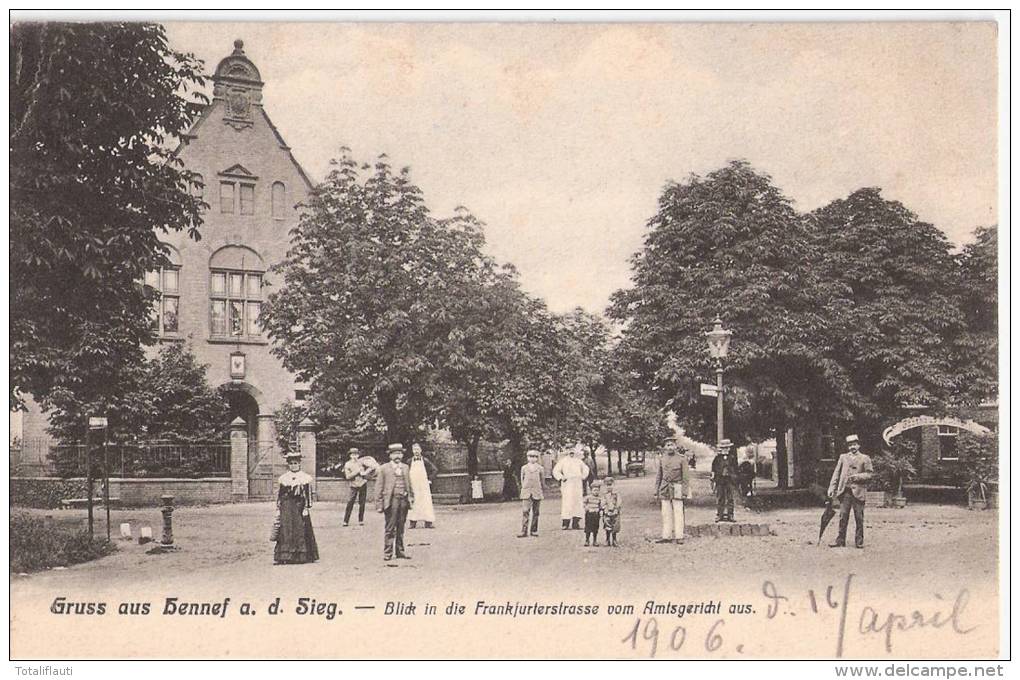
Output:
(510, 490)
(295, 539)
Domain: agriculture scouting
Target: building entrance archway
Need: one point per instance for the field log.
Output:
(264, 461)
(244, 406)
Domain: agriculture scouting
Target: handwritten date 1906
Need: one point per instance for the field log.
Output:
(649, 631)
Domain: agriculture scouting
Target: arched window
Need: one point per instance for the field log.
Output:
(167, 281)
(235, 292)
(279, 200)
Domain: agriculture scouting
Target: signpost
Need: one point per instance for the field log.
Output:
(708, 390)
(100, 424)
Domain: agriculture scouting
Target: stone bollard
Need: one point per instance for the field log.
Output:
(167, 540)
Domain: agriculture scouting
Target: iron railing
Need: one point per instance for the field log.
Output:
(154, 459)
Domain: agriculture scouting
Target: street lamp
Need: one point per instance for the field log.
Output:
(718, 347)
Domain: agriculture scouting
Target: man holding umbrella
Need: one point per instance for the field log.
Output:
(848, 485)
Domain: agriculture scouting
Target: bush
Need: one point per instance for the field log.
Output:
(36, 544)
(892, 469)
(45, 493)
(894, 466)
(979, 462)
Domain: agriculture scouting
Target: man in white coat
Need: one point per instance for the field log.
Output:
(422, 470)
(570, 471)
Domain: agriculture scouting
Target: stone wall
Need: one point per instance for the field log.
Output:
(331, 489)
(134, 492)
(47, 492)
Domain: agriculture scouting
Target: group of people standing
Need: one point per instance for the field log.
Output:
(403, 493)
(581, 498)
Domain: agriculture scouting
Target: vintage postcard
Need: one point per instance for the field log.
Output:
(552, 340)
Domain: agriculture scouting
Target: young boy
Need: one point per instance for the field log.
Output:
(592, 507)
(611, 506)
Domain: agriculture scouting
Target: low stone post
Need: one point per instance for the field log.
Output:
(306, 445)
(238, 460)
(167, 540)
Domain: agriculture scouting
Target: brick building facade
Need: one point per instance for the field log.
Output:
(213, 291)
(814, 451)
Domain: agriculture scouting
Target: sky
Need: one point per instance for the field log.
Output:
(561, 137)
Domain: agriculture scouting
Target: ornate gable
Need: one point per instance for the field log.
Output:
(239, 85)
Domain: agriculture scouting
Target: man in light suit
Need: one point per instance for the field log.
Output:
(848, 485)
(394, 497)
(532, 493)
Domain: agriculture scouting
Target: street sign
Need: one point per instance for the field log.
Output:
(709, 390)
(97, 423)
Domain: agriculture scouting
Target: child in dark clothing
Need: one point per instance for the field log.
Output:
(592, 507)
(611, 506)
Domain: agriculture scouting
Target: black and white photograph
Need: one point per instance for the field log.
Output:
(523, 338)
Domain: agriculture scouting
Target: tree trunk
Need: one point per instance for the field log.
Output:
(472, 456)
(516, 446)
(387, 404)
(782, 458)
(619, 460)
(594, 463)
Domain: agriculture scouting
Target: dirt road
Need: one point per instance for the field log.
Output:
(778, 596)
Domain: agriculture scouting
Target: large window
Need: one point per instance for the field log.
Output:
(235, 293)
(166, 310)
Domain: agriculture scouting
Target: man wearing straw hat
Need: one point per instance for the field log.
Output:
(848, 485)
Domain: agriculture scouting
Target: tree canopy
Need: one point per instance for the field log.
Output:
(840, 316)
(978, 347)
(374, 290)
(903, 314)
(94, 109)
(167, 398)
(730, 244)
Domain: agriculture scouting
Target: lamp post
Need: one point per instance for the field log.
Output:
(718, 347)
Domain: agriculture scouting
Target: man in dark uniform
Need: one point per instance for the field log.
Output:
(724, 474)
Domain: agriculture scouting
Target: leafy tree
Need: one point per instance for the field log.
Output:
(372, 294)
(903, 317)
(978, 347)
(93, 109)
(632, 421)
(485, 363)
(167, 399)
(287, 417)
(511, 379)
(730, 244)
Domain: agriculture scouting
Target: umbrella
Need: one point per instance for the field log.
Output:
(827, 516)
